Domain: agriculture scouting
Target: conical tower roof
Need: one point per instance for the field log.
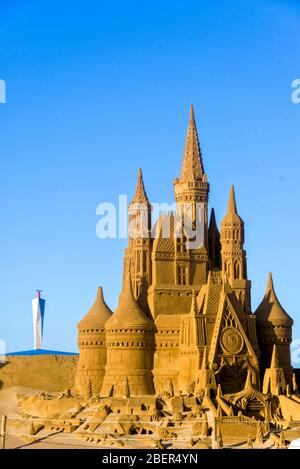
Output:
(232, 214)
(128, 311)
(274, 359)
(140, 196)
(192, 166)
(214, 244)
(231, 208)
(98, 314)
(213, 228)
(270, 310)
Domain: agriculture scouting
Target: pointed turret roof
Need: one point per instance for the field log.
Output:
(214, 244)
(192, 338)
(98, 314)
(192, 166)
(213, 228)
(270, 310)
(274, 359)
(232, 213)
(128, 311)
(140, 196)
(231, 208)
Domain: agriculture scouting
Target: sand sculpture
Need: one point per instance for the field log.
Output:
(183, 360)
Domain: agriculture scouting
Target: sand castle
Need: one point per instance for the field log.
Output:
(183, 358)
(184, 321)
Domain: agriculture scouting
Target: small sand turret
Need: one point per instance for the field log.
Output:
(92, 347)
(274, 328)
(130, 344)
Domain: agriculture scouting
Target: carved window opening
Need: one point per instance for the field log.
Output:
(228, 320)
(138, 261)
(227, 268)
(144, 262)
(237, 270)
(181, 244)
(182, 275)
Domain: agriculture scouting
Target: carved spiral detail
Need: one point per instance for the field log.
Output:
(232, 341)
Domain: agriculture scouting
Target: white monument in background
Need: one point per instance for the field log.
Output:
(38, 310)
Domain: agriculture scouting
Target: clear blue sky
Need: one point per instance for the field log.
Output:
(96, 89)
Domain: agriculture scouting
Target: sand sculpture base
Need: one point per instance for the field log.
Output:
(47, 419)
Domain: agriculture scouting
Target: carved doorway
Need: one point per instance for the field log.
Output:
(232, 378)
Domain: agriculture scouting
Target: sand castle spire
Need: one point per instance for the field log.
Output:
(128, 310)
(99, 313)
(140, 196)
(270, 314)
(270, 308)
(274, 378)
(274, 360)
(138, 252)
(212, 222)
(231, 208)
(192, 165)
(234, 260)
(214, 244)
(270, 284)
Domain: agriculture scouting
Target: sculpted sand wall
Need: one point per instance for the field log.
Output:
(43, 372)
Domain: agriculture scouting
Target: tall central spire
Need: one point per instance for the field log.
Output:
(192, 165)
(192, 188)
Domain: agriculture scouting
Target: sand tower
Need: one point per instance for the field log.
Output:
(130, 344)
(92, 347)
(274, 328)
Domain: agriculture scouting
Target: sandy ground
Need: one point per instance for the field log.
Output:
(8, 406)
(13, 442)
(8, 399)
